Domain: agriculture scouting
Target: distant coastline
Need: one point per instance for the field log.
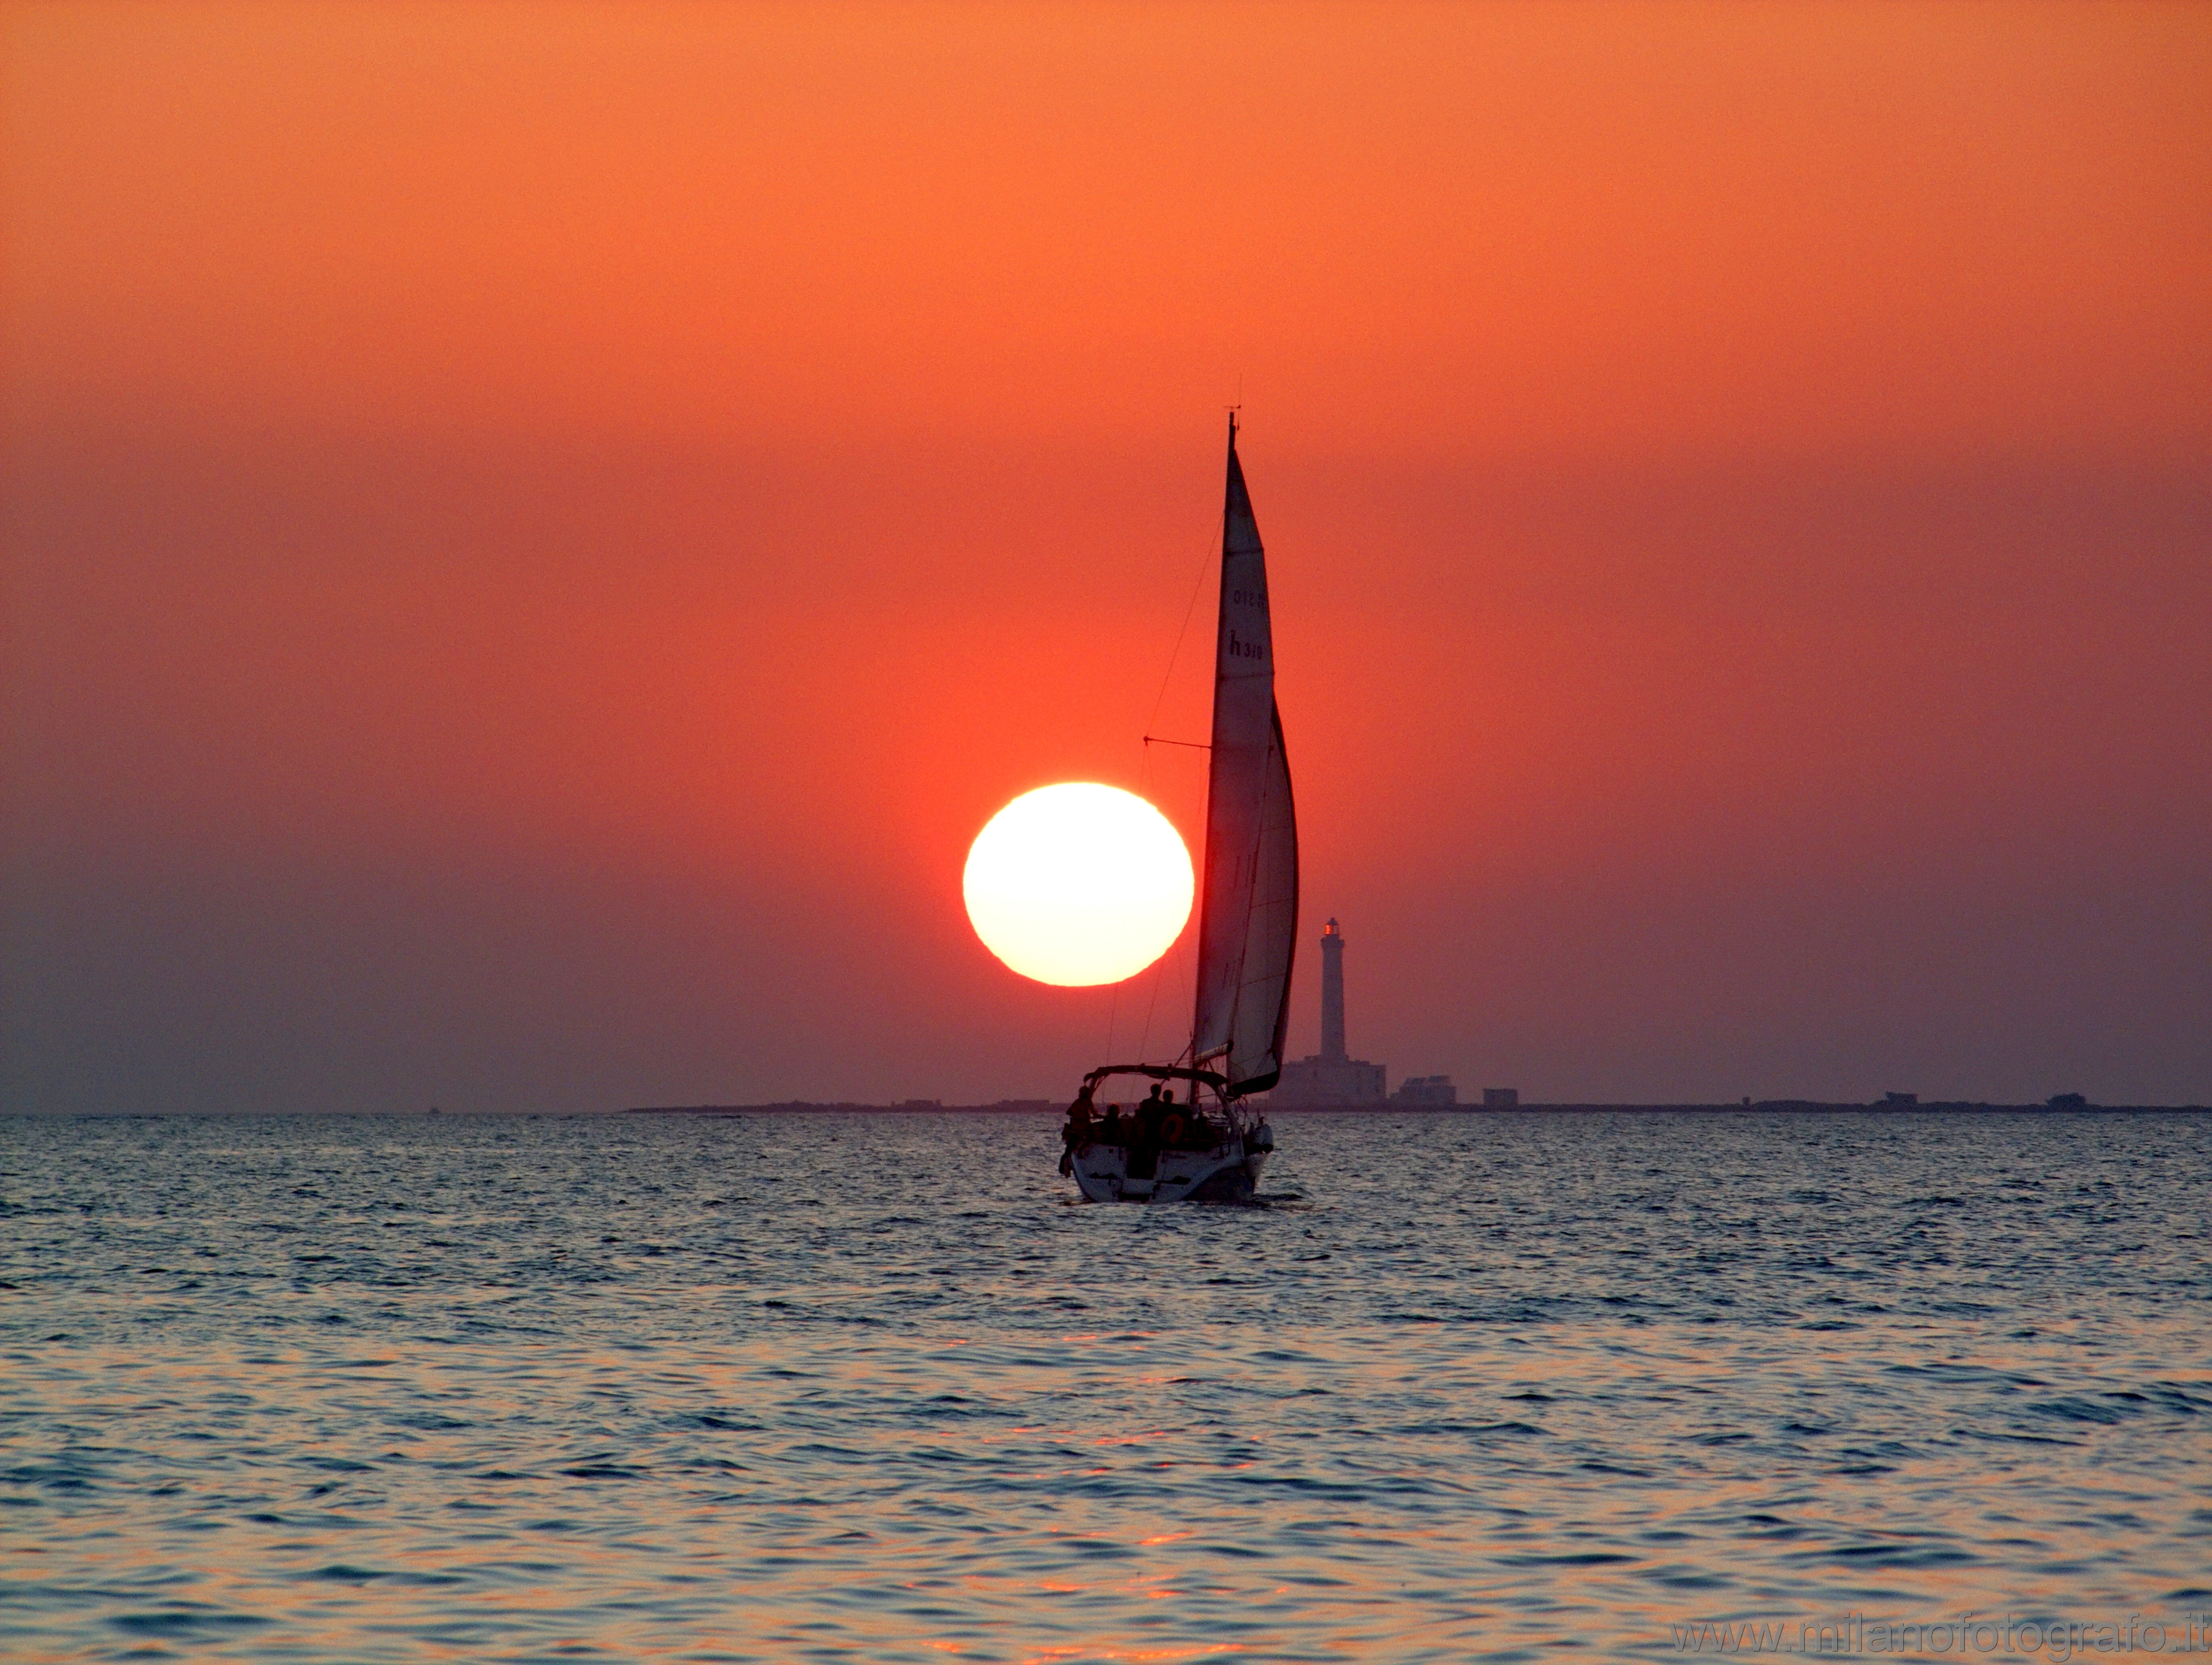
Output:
(1764, 1106)
(905, 1107)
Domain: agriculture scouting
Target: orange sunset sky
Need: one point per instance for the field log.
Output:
(536, 535)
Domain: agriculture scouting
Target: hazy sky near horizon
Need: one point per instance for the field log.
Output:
(536, 535)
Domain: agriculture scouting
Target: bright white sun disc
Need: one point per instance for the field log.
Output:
(1079, 884)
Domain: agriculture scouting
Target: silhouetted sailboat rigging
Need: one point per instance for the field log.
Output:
(1160, 1151)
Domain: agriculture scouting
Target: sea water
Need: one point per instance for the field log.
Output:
(829, 1387)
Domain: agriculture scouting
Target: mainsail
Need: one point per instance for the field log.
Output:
(1248, 921)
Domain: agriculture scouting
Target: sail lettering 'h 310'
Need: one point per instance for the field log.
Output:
(1248, 918)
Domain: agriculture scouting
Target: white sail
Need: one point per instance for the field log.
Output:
(1248, 918)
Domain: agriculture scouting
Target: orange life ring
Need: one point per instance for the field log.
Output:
(1171, 1128)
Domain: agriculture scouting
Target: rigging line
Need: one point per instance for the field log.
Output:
(1113, 1005)
(1190, 607)
(1197, 584)
(1144, 1035)
(1113, 1010)
(1195, 746)
(1159, 976)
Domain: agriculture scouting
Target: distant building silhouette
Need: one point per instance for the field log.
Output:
(1501, 1098)
(1426, 1090)
(1332, 1077)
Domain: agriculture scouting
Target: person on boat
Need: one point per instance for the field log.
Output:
(1075, 1133)
(1150, 1112)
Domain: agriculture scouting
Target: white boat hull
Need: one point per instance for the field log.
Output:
(1227, 1173)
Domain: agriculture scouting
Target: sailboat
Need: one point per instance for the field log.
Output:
(1210, 1146)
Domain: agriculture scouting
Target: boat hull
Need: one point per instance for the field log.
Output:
(1227, 1173)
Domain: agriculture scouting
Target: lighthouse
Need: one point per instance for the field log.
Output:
(1333, 1076)
(1331, 994)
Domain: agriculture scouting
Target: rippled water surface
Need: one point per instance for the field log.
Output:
(871, 1388)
